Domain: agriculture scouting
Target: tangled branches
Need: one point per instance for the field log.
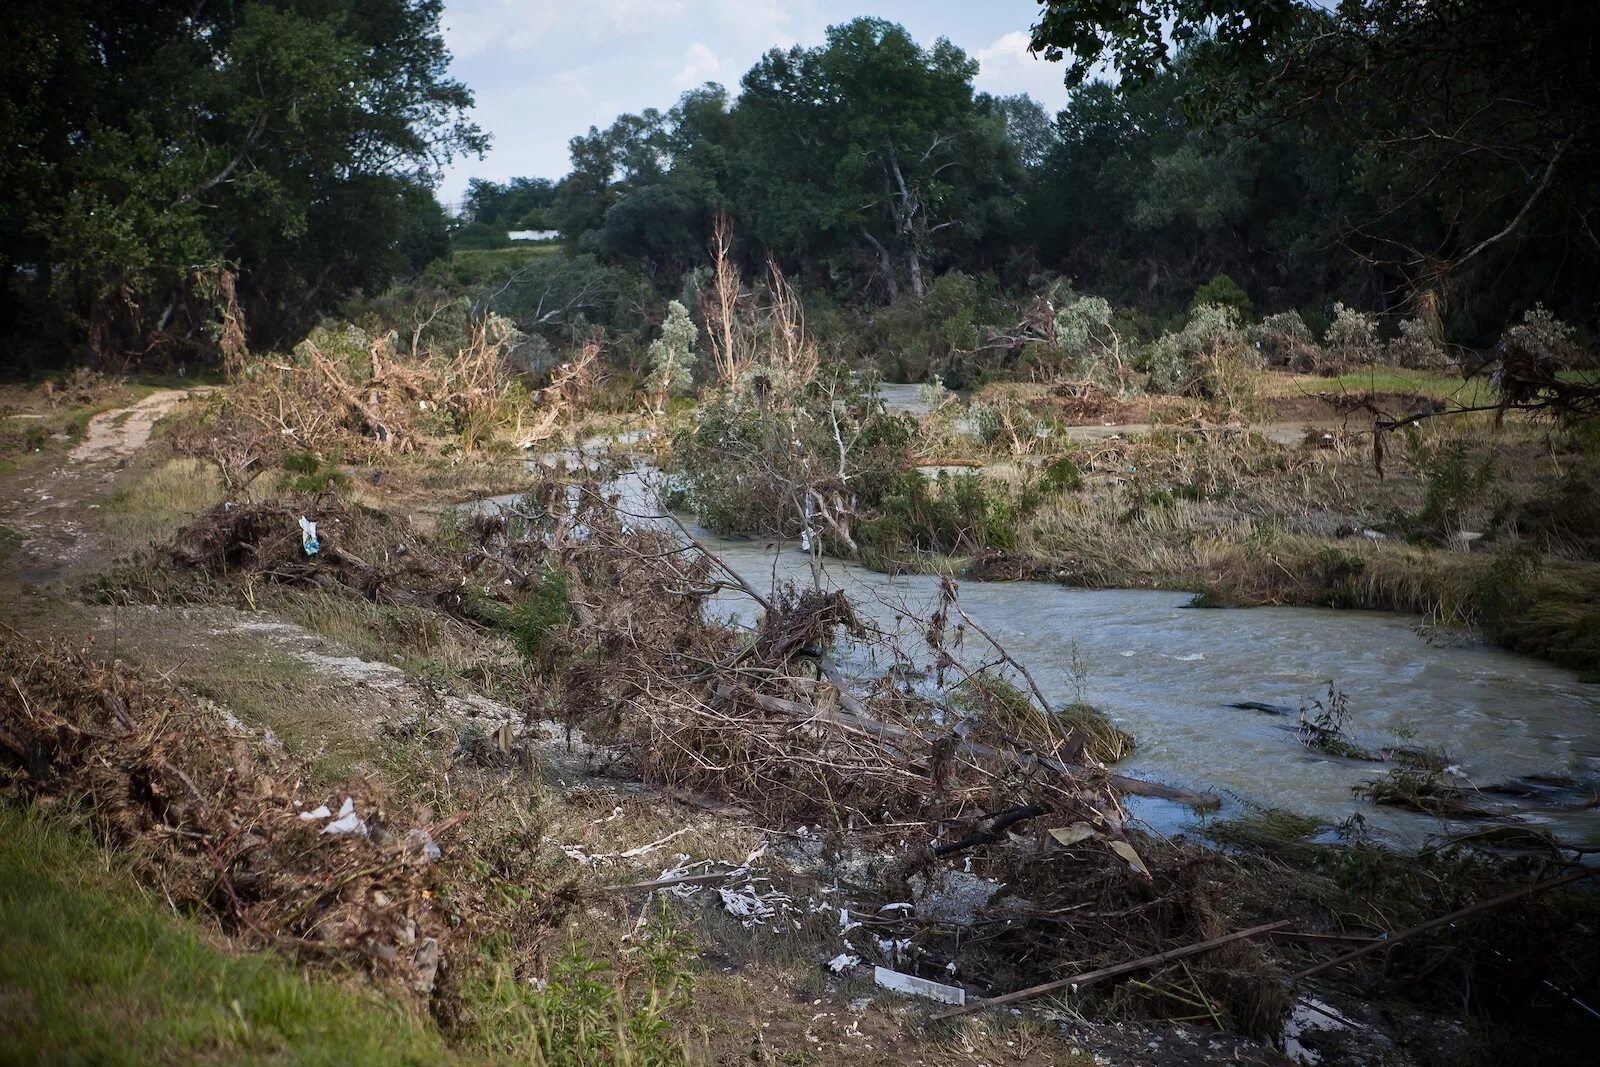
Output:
(218, 823)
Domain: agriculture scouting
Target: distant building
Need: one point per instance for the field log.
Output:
(533, 235)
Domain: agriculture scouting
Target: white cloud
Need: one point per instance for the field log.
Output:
(480, 27)
(700, 65)
(1006, 67)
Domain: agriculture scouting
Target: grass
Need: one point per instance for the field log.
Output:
(151, 503)
(1469, 392)
(95, 969)
(422, 643)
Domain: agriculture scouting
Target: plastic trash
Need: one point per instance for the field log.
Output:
(912, 986)
(348, 821)
(308, 536)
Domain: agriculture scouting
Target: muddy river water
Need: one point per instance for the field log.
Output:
(1167, 674)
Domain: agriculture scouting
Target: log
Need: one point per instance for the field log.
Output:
(1079, 981)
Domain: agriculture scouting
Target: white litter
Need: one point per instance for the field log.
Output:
(843, 960)
(912, 986)
(348, 821)
(319, 812)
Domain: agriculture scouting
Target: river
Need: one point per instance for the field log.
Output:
(1166, 673)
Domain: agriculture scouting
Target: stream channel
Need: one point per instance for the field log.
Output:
(1168, 673)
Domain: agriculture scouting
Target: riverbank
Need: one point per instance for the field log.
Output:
(545, 825)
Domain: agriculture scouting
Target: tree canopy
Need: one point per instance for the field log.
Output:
(154, 147)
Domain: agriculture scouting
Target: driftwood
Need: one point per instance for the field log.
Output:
(847, 716)
(992, 830)
(1077, 982)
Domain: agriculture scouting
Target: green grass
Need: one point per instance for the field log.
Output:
(94, 969)
(1470, 392)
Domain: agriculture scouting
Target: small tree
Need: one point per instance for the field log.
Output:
(1091, 345)
(672, 356)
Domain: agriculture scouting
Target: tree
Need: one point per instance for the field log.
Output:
(1471, 127)
(672, 356)
(871, 143)
(151, 145)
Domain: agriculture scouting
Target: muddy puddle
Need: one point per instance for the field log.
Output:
(1168, 674)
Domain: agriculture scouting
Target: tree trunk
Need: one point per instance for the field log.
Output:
(887, 264)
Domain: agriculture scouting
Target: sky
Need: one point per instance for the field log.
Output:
(545, 70)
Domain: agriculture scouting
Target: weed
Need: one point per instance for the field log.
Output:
(544, 610)
(585, 1012)
(1326, 730)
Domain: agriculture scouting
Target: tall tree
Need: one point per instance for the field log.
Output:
(151, 145)
(1471, 127)
(871, 140)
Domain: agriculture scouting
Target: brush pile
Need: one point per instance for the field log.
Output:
(220, 822)
(762, 718)
(368, 554)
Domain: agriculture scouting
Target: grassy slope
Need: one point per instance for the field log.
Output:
(95, 969)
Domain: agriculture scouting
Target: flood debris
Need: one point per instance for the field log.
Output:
(912, 986)
(217, 820)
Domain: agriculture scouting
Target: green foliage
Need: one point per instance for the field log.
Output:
(1090, 346)
(751, 457)
(672, 354)
(951, 514)
(311, 475)
(292, 140)
(1206, 358)
(1365, 169)
(1352, 340)
(544, 610)
(1284, 340)
(1224, 291)
(1062, 474)
(1456, 483)
(96, 969)
(1416, 348)
(584, 1012)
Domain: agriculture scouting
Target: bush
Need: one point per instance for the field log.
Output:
(1284, 340)
(1062, 474)
(1207, 358)
(1416, 348)
(1224, 291)
(1541, 342)
(1352, 340)
(756, 451)
(949, 514)
(672, 355)
(1090, 347)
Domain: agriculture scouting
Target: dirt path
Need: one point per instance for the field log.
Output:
(319, 695)
(48, 511)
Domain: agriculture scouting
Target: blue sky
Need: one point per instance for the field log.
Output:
(544, 70)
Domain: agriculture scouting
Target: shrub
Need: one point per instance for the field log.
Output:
(1541, 342)
(1223, 290)
(1284, 340)
(1207, 358)
(949, 514)
(1061, 475)
(1352, 340)
(672, 355)
(756, 452)
(1416, 348)
(1089, 345)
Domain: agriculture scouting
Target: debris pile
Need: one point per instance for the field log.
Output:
(218, 821)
